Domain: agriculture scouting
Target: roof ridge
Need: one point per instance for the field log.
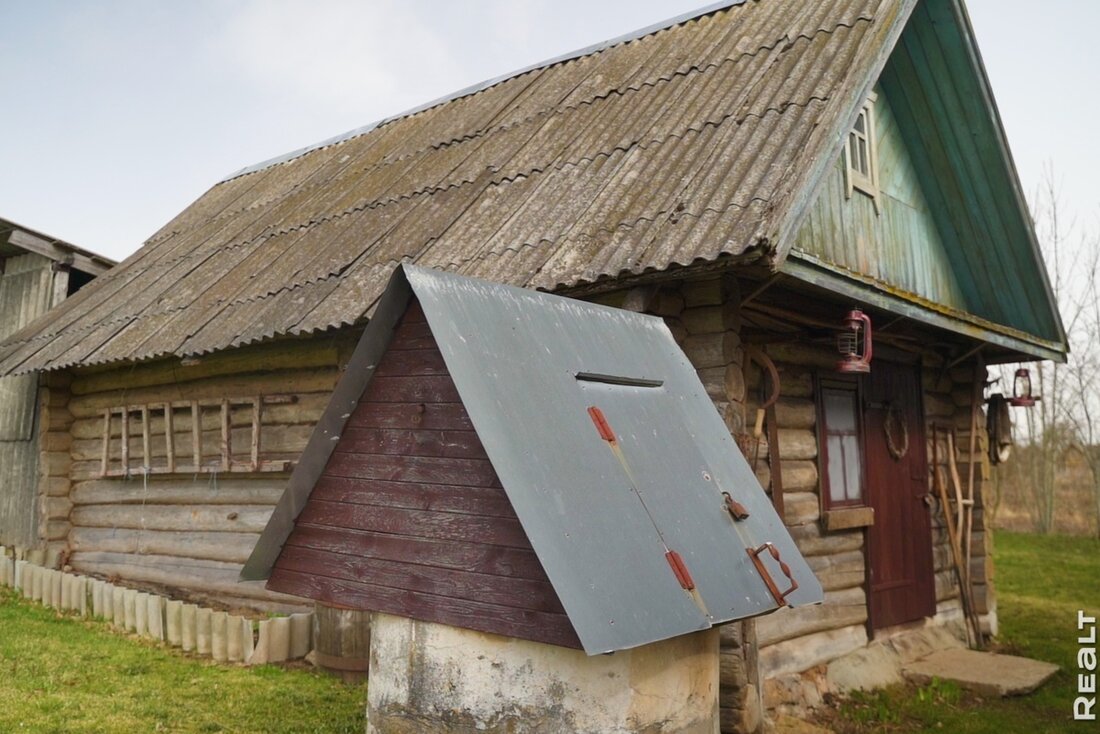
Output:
(483, 85)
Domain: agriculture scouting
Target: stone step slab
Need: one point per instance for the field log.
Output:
(985, 673)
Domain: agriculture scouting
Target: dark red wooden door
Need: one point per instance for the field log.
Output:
(899, 544)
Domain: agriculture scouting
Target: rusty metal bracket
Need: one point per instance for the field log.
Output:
(779, 596)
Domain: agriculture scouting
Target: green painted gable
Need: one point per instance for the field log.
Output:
(898, 245)
(952, 238)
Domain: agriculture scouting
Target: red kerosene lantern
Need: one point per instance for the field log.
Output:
(854, 343)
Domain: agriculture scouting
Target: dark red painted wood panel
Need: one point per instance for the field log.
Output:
(435, 470)
(487, 501)
(435, 416)
(417, 523)
(450, 444)
(496, 560)
(409, 516)
(403, 363)
(554, 629)
(457, 584)
(414, 389)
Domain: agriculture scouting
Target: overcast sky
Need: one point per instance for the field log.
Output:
(118, 113)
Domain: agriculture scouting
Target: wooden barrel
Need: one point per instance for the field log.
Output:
(342, 641)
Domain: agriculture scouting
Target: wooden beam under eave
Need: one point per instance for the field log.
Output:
(59, 253)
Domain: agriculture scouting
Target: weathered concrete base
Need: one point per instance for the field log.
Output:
(278, 639)
(429, 678)
(985, 673)
(301, 634)
(118, 604)
(219, 643)
(234, 639)
(141, 614)
(873, 665)
(155, 616)
(203, 621)
(173, 615)
(189, 627)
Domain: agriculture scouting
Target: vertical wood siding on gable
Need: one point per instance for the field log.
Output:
(409, 516)
(26, 289)
(901, 245)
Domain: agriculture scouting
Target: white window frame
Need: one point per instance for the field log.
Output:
(857, 179)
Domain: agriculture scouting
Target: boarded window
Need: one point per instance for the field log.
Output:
(841, 442)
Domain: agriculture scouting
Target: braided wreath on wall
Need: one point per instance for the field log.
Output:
(900, 447)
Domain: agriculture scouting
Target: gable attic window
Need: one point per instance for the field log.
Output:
(860, 153)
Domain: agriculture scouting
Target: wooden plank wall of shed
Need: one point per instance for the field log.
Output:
(186, 531)
(26, 292)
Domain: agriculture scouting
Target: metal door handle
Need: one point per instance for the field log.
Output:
(779, 596)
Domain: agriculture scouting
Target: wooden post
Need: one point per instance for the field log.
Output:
(145, 452)
(125, 440)
(196, 434)
(106, 458)
(342, 641)
(169, 438)
(256, 422)
(227, 441)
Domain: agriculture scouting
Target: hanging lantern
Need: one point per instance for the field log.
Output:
(854, 343)
(1021, 389)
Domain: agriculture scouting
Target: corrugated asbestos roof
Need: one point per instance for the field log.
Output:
(687, 144)
(601, 516)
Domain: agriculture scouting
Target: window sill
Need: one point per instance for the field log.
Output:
(847, 518)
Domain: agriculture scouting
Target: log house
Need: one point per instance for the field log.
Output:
(750, 173)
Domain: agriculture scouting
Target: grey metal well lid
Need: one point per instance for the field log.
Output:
(602, 525)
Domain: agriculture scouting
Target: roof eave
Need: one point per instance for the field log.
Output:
(38, 243)
(962, 17)
(1026, 347)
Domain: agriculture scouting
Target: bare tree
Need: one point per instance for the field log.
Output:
(1067, 414)
(1083, 415)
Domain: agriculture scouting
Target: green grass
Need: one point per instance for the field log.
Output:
(1041, 583)
(64, 674)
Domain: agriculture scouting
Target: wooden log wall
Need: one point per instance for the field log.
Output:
(948, 403)
(54, 465)
(788, 638)
(705, 318)
(185, 532)
(795, 640)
